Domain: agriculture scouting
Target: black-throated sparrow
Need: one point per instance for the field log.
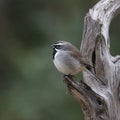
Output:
(67, 58)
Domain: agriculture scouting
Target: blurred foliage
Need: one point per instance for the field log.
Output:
(30, 87)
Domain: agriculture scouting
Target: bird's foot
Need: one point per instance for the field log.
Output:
(69, 76)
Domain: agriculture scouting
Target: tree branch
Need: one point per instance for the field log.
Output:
(99, 92)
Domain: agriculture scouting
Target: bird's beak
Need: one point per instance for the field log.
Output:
(52, 45)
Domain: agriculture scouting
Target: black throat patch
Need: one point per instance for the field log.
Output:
(54, 52)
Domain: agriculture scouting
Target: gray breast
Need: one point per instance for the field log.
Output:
(66, 63)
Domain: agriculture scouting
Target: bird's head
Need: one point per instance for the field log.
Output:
(62, 46)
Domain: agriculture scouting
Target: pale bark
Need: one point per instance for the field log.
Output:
(99, 91)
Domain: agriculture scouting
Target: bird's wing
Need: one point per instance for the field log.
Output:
(82, 59)
(85, 62)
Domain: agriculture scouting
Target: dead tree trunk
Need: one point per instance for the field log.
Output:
(99, 91)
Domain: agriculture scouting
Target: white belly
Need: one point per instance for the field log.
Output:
(66, 64)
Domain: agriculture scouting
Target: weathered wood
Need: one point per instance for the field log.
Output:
(99, 100)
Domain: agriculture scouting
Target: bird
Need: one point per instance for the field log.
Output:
(68, 59)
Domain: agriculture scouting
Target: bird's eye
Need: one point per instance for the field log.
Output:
(58, 46)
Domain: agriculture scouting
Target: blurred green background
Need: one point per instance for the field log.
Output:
(30, 86)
